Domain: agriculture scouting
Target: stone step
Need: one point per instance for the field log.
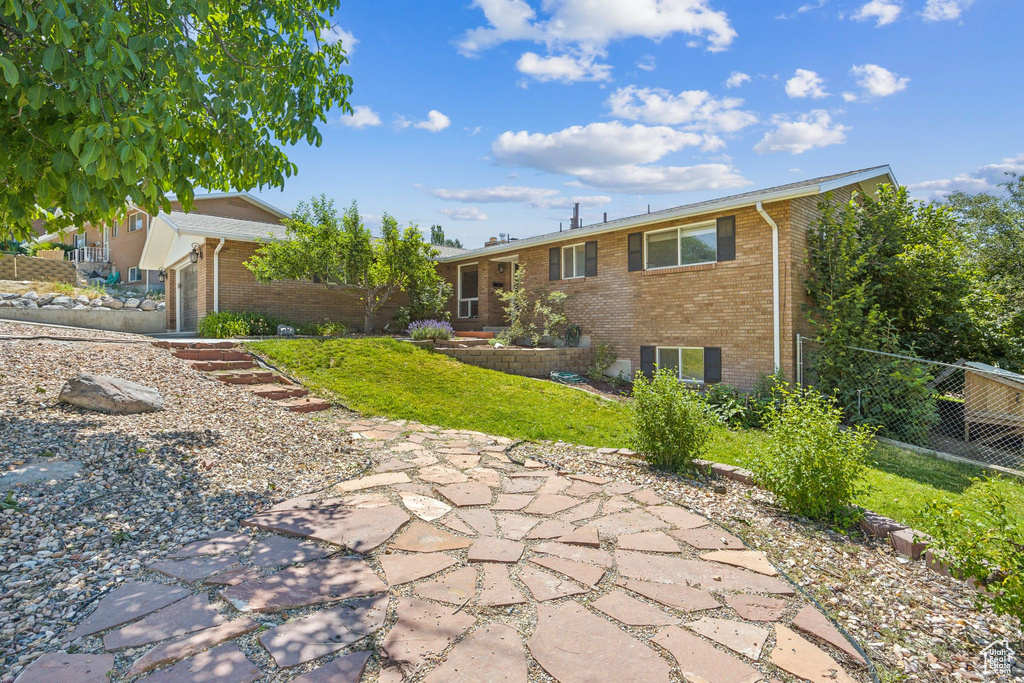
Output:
(460, 342)
(211, 354)
(263, 377)
(194, 345)
(214, 365)
(277, 392)
(305, 405)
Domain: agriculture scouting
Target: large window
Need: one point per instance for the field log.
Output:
(137, 221)
(686, 363)
(574, 261)
(469, 291)
(682, 246)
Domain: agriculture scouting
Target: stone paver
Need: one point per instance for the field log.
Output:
(491, 654)
(216, 544)
(810, 620)
(581, 571)
(593, 556)
(801, 658)
(577, 646)
(757, 607)
(373, 481)
(631, 611)
(754, 560)
(423, 538)
(347, 669)
(582, 512)
(482, 521)
(467, 494)
(497, 589)
(455, 523)
(232, 577)
(745, 639)
(617, 504)
(700, 573)
(708, 538)
(335, 578)
(493, 549)
(441, 474)
(619, 488)
(423, 629)
(61, 667)
(455, 588)
(584, 535)
(322, 633)
(399, 569)
(130, 601)
(223, 663)
(191, 614)
(274, 551)
(512, 501)
(358, 529)
(548, 529)
(648, 542)
(188, 645)
(627, 522)
(676, 516)
(648, 497)
(426, 508)
(680, 597)
(550, 503)
(700, 661)
(194, 568)
(515, 527)
(581, 489)
(546, 586)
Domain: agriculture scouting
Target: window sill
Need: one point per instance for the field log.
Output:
(681, 269)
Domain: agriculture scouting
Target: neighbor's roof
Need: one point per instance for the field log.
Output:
(448, 252)
(255, 201)
(205, 225)
(777, 193)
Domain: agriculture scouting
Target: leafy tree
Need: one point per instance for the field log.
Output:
(437, 238)
(105, 100)
(342, 254)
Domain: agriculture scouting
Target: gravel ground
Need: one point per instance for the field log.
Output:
(914, 623)
(148, 483)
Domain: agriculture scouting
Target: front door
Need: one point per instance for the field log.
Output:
(188, 291)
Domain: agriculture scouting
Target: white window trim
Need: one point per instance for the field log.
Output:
(692, 227)
(458, 280)
(138, 272)
(679, 361)
(562, 261)
(142, 220)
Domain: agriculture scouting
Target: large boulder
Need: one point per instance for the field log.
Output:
(82, 299)
(45, 300)
(7, 296)
(115, 304)
(110, 395)
(96, 303)
(148, 305)
(131, 303)
(63, 301)
(31, 296)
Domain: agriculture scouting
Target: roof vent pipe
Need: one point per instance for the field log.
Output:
(575, 216)
(605, 216)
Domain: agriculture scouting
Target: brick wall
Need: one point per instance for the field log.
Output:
(726, 304)
(230, 207)
(526, 362)
(39, 269)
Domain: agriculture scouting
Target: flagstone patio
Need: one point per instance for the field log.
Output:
(446, 560)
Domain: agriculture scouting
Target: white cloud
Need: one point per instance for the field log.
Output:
(849, 97)
(663, 179)
(647, 63)
(435, 121)
(336, 33)
(806, 7)
(736, 79)
(535, 197)
(586, 27)
(694, 109)
(807, 132)
(984, 179)
(806, 83)
(882, 11)
(564, 68)
(878, 81)
(464, 213)
(361, 116)
(945, 10)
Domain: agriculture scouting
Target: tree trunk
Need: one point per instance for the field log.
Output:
(368, 319)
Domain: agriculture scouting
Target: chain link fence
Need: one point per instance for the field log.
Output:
(966, 411)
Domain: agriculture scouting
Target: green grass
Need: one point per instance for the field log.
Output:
(381, 376)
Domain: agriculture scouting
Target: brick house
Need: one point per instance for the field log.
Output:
(714, 290)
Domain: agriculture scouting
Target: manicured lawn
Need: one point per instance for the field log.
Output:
(381, 376)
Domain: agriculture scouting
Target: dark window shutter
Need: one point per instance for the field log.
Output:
(636, 251)
(712, 365)
(554, 263)
(647, 356)
(591, 249)
(727, 238)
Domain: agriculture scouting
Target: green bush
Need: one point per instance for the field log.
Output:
(671, 424)
(729, 405)
(231, 324)
(327, 328)
(981, 537)
(604, 356)
(814, 466)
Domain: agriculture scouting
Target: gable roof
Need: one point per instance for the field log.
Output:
(205, 225)
(255, 201)
(802, 188)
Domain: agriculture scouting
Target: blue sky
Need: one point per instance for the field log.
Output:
(493, 116)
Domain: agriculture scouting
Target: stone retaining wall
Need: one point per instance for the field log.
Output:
(37, 269)
(130, 320)
(525, 362)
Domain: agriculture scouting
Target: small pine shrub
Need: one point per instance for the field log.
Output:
(604, 356)
(231, 324)
(814, 467)
(671, 424)
(431, 329)
(981, 537)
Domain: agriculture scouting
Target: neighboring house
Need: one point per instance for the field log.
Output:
(714, 290)
(118, 247)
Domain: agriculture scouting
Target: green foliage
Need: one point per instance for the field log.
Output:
(327, 328)
(427, 301)
(516, 304)
(438, 239)
(549, 311)
(813, 466)
(12, 247)
(342, 254)
(543, 320)
(729, 405)
(981, 537)
(670, 423)
(35, 247)
(604, 356)
(227, 324)
(104, 101)
(431, 329)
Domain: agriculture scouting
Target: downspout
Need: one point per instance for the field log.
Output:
(775, 285)
(216, 276)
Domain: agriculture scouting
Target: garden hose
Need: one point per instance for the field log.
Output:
(572, 335)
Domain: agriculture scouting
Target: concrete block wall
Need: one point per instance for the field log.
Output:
(525, 362)
(34, 268)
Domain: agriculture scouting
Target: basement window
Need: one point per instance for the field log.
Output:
(686, 363)
(134, 274)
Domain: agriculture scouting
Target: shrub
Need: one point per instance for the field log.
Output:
(327, 328)
(426, 302)
(232, 324)
(729, 405)
(671, 425)
(431, 329)
(981, 537)
(604, 356)
(814, 467)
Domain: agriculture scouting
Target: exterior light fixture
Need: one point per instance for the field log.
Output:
(195, 254)
(162, 275)
(501, 267)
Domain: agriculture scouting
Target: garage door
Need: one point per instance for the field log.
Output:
(189, 295)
